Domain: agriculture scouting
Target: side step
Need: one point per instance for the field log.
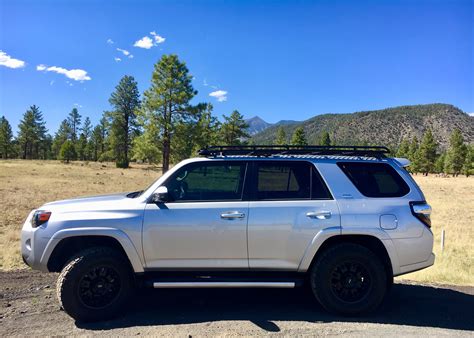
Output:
(168, 285)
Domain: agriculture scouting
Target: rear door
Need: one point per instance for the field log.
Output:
(290, 203)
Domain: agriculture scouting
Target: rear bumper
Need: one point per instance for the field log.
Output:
(404, 269)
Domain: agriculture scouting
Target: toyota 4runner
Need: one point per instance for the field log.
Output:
(343, 220)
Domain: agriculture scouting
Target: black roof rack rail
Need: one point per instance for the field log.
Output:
(269, 150)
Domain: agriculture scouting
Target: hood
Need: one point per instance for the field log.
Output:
(90, 202)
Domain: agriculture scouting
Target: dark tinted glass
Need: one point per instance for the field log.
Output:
(289, 180)
(375, 179)
(207, 182)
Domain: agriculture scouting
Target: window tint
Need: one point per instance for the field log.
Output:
(289, 180)
(207, 182)
(375, 179)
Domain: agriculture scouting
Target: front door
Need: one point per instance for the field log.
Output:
(291, 204)
(204, 225)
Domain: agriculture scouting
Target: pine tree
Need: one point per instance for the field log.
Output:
(166, 104)
(468, 166)
(412, 155)
(440, 163)
(426, 154)
(62, 135)
(74, 120)
(325, 139)
(67, 151)
(456, 155)
(234, 129)
(81, 147)
(125, 101)
(206, 128)
(404, 149)
(281, 136)
(6, 137)
(32, 131)
(87, 131)
(299, 137)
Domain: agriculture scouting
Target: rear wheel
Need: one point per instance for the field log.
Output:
(95, 284)
(349, 279)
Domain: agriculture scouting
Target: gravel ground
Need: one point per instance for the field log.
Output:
(29, 307)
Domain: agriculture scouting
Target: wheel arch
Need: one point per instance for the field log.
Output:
(66, 243)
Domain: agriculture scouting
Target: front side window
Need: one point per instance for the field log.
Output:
(375, 179)
(218, 181)
(289, 180)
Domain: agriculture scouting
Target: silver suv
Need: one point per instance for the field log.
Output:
(343, 220)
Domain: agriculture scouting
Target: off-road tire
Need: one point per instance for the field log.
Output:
(69, 284)
(326, 285)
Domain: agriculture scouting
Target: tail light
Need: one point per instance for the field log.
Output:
(40, 217)
(422, 211)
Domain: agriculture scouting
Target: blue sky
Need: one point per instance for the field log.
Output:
(275, 59)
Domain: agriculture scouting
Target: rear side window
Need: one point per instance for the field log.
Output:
(289, 180)
(375, 179)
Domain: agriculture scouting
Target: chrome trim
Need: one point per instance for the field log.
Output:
(169, 285)
(423, 209)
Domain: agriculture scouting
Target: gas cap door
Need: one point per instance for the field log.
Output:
(388, 222)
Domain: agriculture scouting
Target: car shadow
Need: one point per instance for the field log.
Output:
(415, 305)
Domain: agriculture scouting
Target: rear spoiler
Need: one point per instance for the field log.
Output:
(402, 162)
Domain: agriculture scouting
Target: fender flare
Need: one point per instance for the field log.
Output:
(119, 235)
(327, 233)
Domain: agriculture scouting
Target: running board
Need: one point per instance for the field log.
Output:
(169, 285)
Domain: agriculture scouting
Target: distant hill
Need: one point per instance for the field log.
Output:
(383, 127)
(256, 125)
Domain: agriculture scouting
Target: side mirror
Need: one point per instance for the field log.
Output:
(160, 195)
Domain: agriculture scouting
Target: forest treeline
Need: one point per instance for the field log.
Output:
(162, 126)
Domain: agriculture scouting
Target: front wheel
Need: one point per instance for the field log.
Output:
(95, 284)
(349, 279)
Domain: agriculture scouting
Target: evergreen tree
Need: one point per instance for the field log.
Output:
(468, 166)
(234, 129)
(456, 155)
(440, 163)
(166, 104)
(125, 101)
(81, 147)
(62, 135)
(412, 155)
(281, 136)
(87, 131)
(404, 149)
(74, 120)
(67, 151)
(325, 139)
(426, 154)
(6, 137)
(299, 137)
(206, 128)
(32, 132)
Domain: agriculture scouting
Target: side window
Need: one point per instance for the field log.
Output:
(375, 179)
(216, 181)
(289, 180)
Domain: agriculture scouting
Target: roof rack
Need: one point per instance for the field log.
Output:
(269, 150)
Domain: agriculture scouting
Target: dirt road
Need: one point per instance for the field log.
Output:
(29, 307)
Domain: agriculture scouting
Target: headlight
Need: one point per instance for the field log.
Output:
(40, 217)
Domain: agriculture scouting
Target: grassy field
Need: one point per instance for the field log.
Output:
(25, 185)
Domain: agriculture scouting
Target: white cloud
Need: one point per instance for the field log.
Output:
(158, 39)
(147, 42)
(73, 74)
(220, 95)
(471, 114)
(7, 61)
(77, 105)
(117, 59)
(144, 42)
(204, 83)
(110, 41)
(123, 51)
(51, 82)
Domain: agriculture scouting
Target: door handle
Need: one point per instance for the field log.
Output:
(232, 215)
(319, 214)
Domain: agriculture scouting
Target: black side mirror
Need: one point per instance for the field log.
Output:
(160, 195)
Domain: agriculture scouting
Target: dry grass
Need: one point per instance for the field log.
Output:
(25, 185)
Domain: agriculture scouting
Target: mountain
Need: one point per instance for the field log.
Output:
(382, 127)
(256, 125)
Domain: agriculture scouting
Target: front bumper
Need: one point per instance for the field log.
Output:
(32, 245)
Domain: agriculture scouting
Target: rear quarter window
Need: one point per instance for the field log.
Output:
(375, 179)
